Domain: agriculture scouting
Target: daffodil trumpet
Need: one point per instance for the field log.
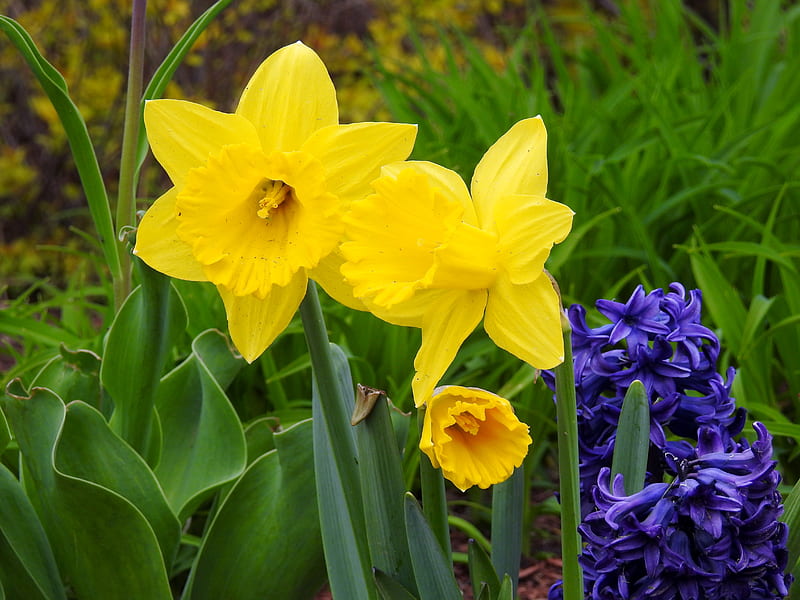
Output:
(258, 195)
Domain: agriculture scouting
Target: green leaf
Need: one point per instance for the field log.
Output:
(506, 590)
(80, 143)
(264, 541)
(633, 439)
(481, 570)
(74, 375)
(109, 525)
(382, 490)
(144, 330)
(260, 437)
(508, 503)
(791, 516)
(167, 68)
(5, 433)
(389, 588)
(339, 487)
(27, 565)
(432, 570)
(203, 444)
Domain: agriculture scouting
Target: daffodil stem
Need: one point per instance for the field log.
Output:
(569, 478)
(126, 197)
(508, 500)
(434, 502)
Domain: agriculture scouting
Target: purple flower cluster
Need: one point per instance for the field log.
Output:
(711, 530)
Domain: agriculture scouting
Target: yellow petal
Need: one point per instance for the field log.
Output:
(183, 134)
(447, 183)
(527, 228)
(526, 320)
(515, 164)
(445, 326)
(353, 154)
(328, 274)
(473, 436)
(289, 97)
(158, 244)
(254, 323)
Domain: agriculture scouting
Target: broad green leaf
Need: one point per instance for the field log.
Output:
(27, 566)
(382, 489)
(103, 542)
(481, 570)
(264, 541)
(260, 437)
(432, 570)
(339, 490)
(389, 588)
(144, 330)
(80, 143)
(633, 439)
(203, 446)
(74, 376)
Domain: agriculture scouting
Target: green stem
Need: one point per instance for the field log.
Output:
(569, 478)
(434, 501)
(126, 198)
(508, 503)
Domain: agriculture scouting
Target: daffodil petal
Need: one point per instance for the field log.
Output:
(447, 183)
(527, 227)
(288, 98)
(515, 164)
(445, 326)
(158, 244)
(183, 134)
(353, 154)
(254, 323)
(328, 274)
(526, 320)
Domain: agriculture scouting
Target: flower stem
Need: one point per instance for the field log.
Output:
(569, 478)
(126, 197)
(434, 502)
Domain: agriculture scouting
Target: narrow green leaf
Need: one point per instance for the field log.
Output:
(203, 445)
(264, 541)
(80, 143)
(506, 590)
(33, 330)
(27, 565)
(508, 503)
(483, 593)
(167, 68)
(481, 571)
(633, 439)
(432, 570)
(390, 589)
(144, 330)
(5, 432)
(106, 545)
(434, 499)
(382, 490)
(791, 516)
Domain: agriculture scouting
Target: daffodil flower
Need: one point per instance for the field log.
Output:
(423, 253)
(258, 195)
(473, 436)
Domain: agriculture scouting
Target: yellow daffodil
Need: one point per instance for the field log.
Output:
(258, 195)
(473, 436)
(423, 253)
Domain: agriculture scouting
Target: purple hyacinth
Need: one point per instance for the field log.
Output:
(705, 525)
